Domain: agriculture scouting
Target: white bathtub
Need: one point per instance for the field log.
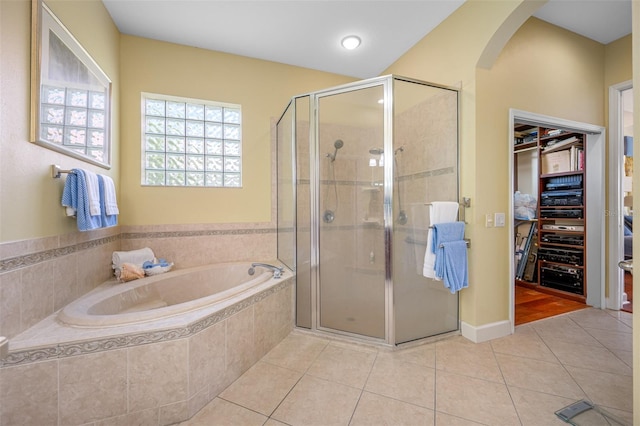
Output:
(161, 296)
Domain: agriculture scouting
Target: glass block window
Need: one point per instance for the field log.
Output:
(191, 142)
(75, 118)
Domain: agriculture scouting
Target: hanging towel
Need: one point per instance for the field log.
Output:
(106, 220)
(110, 203)
(456, 272)
(76, 196)
(444, 233)
(439, 212)
(93, 189)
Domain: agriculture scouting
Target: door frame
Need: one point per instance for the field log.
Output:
(615, 216)
(595, 195)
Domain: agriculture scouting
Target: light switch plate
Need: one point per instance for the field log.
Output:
(499, 220)
(488, 220)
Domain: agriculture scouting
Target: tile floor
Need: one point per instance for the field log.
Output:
(516, 380)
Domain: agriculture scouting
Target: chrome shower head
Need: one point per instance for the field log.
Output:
(337, 145)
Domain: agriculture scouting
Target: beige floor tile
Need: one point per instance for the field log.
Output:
(223, 413)
(610, 390)
(424, 355)
(612, 340)
(622, 316)
(622, 417)
(262, 388)
(474, 399)
(539, 376)
(344, 365)
(537, 408)
(315, 401)
(297, 351)
(525, 342)
(403, 381)
(564, 328)
(443, 419)
(273, 422)
(624, 356)
(469, 359)
(590, 357)
(600, 319)
(374, 410)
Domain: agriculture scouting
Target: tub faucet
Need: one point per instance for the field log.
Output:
(277, 270)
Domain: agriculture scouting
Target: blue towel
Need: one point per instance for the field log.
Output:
(445, 260)
(456, 271)
(105, 220)
(76, 195)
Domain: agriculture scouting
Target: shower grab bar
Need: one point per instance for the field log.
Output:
(466, 203)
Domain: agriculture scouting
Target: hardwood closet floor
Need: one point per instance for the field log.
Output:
(628, 288)
(532, 305)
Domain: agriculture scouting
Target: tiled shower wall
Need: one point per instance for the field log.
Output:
(40, 276)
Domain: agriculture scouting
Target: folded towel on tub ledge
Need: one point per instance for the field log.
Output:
(136, 257)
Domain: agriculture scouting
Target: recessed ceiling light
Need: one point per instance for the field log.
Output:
(351, 42)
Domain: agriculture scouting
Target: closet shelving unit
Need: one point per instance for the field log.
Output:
(559, 231)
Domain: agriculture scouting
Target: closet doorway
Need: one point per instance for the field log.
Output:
(568, 231)
(620, 194)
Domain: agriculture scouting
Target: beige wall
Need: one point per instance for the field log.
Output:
(546, 70)
(449, 55)
(262, 88)
(541, 69)
(636, 192)
(29, 197)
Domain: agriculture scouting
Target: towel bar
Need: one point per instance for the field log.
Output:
(56, 171)
(466, 240)
(462, 213)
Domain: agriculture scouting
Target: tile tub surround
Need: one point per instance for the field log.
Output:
(148, 376)
(196, 245)
(42, 275)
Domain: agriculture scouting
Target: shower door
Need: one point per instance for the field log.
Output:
(351, 236)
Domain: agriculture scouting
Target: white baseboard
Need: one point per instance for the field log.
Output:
(485, 332)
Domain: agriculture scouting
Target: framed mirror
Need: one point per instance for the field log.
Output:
(70, 94)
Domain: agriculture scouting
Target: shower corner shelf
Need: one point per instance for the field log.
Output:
(371, 189)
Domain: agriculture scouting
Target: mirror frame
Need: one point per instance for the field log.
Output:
(43, 23)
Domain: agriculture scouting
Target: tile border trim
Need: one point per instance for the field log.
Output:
(31, 259)
(201, 233)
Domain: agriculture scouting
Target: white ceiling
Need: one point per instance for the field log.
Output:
(307, 33)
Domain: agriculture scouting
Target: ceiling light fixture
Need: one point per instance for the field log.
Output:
(351, 42)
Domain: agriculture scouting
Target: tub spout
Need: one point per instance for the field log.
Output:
(277, 270)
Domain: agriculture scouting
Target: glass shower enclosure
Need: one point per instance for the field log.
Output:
(357, 166)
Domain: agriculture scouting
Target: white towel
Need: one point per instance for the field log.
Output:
(93, 189)
(110, 203)
(439, 212)
(136, 257)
